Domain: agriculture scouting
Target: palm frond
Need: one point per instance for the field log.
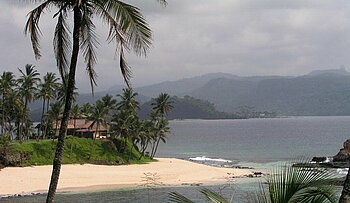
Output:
(291, 184)
(89, 44)
(125, 68)
(131, 23)
(178, 198)
(32, 26)
(62, 44)
(213, 196)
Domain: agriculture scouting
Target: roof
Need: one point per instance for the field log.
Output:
(82, 124)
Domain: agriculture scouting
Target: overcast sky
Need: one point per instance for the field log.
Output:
(194, 37)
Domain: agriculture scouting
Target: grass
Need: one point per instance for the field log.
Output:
(77, 151)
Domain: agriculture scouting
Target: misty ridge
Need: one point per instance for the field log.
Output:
(319, 93)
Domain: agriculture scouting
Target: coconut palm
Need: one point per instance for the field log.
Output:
(147, 132)
(161, 131)
(7, 83)
(109, 102)
(62, 89)
(27, 87)
(54, 114)
(128, 101)
(162, 104)
(85, 109)
(121, 126)
(127, 27)
(98, 116)
(75, 114)
(47, 91)
(161, 107)
(14, 111)
(286, 185)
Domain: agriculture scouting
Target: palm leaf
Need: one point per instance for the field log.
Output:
(213, 196)
(32, 27)
(89, 44)
(132, 24)
(62, 45)
(178, 198)
(291, 184)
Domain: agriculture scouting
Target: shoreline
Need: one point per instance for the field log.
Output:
(88, 177)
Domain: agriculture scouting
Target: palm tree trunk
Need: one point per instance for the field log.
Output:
(42, 119)
(57, 162)
(345, 195)
(156, 148)
(20, 131)
(47, 118)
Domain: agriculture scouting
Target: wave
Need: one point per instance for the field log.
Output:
(204, 158)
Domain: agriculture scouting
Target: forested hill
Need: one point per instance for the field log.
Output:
(191, 108)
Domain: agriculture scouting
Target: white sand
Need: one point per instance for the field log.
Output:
(170, 171)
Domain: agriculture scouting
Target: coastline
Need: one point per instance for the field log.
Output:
(88, 177)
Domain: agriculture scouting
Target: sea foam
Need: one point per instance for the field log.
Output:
(204, 158)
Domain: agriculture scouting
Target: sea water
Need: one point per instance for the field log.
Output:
(258, 143)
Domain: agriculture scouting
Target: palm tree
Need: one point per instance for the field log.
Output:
(62, 89)
(146, 134)
(162, 130)
(7, 82)
(85, 109)
(27, 82)
(47, 91)
(288, 185)
(128, 101)
(162, 104)
(121, 126)
(74, 114)
(98, 116)
(109, 102)
(127, 27)
(54, 114)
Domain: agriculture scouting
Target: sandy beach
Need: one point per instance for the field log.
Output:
(170, 171)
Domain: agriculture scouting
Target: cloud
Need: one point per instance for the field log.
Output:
(251, 37)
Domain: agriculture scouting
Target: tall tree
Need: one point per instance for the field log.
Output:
(162, 104)
(127, 27)
(47, 91)
(98, 116)
(128, 101)
(54, 114)
(109, 102)
(75, 114)
(85, 109)
(27, 87)
(7, 83)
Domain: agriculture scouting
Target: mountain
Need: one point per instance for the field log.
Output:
(318, 93)
(340, 71)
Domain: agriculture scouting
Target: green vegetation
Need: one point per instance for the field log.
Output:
(286, 185)
(191, 108)
(77, 151)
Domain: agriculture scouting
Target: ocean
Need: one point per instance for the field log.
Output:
(258, 143)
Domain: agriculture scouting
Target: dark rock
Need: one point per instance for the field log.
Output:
(344, 153)
(319, 159)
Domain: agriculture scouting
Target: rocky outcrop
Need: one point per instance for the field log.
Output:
(13, 158)
(344, 153)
